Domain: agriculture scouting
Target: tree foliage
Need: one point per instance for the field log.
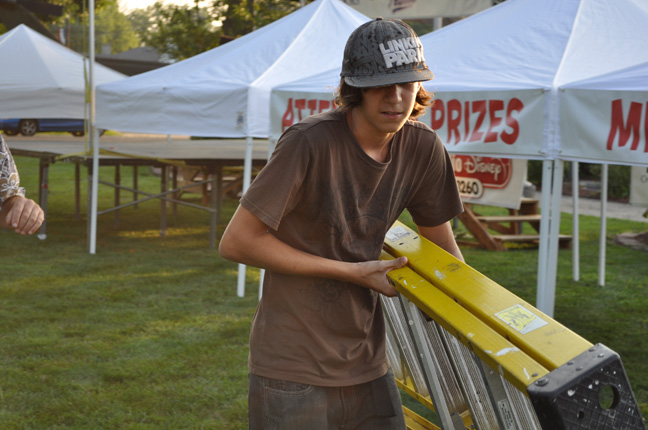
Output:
(112, 29)
(243, 16)
(179, 31)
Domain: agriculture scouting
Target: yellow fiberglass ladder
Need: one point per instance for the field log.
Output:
(482, 358)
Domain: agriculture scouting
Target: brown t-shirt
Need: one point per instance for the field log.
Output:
(322, 194)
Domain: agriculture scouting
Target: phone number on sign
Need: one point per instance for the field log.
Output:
(470, 187)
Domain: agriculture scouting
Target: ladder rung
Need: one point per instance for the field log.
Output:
(509, 218)
(527, 237)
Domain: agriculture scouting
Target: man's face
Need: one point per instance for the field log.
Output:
(385, 109)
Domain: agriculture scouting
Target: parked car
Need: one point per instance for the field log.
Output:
(29, 127)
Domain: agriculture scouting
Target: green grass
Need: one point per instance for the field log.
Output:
(149, 333)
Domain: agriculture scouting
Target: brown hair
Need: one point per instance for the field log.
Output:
(348, 97)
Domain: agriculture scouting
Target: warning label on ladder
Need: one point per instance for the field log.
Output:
(521, 319)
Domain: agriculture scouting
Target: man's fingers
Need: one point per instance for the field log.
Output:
(397, 263)
(32, 221)
(15, 213)
(401, 262)
(25, 216)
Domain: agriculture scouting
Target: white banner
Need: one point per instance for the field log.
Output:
(418, 9)
(290, 107)
(639, 186)
(475, 123)
(503, 124)
(608, 126)
(490, 181)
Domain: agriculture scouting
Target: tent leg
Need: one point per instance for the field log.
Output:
(603, 231)
(43, 194)
(247, 178)
(552, 262)
(94, 187)
(575, 222)
(545, 203)
(77, 191)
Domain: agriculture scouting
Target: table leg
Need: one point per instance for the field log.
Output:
(117, 195)
(163, 204)
(43, 194)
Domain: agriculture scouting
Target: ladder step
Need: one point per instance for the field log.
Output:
(563, 238)
(509, 218)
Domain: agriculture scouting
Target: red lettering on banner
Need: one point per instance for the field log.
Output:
(454, 119)
(478, 106)
(288, 117)
(490, 122)
(515, 105)
(300, 104)
(438, 114)
(466, 118)
(491, 172)
(494, 106)
(631, 127)
(311, 106)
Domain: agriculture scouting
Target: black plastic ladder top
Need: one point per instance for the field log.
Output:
(590, 392)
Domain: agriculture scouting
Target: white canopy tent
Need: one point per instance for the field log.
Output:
(225, 92)
(497, 75)
(605, 119)
(42, 78)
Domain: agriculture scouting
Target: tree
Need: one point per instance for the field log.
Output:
(112, 28)
(180, 31)
(244, 16)
(184, 31)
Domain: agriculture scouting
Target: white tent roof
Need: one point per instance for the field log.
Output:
(226, 91)
(633, 78)
(527, 49)
(603, 118)
(537, 44)
(519, 51)
(42, 78)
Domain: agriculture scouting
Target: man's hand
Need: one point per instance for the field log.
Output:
(22, 215)
(373, 274)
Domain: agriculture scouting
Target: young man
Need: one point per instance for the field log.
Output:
(315, 218)
(22, 215)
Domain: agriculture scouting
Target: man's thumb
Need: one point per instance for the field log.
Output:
(400, 262)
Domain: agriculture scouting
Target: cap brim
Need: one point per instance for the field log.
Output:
(389, 79)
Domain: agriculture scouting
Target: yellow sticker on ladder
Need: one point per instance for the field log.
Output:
(521, 319)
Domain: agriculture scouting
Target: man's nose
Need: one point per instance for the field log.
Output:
(393, 93)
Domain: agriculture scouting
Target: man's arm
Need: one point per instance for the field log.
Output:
(443, 236)
(22, 215)
(247, 240)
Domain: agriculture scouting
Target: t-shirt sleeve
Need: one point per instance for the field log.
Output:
(436, 199)
(276, 189)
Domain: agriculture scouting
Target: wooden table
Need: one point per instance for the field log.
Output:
(211, 155)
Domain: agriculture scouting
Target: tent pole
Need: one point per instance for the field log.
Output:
(545, 203)
(247, 178)
(272, 143)
(552, 262)
(603, 231)
(575, 222)
(94, 136)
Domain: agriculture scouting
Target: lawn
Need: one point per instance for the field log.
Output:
(149, 333)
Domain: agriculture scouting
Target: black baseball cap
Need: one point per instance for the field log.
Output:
(384, 52)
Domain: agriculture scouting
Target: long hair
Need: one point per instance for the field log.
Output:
(348, 97)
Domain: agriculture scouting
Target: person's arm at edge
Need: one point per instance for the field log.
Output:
(22, 215)
(246, 240)
(443, 236)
